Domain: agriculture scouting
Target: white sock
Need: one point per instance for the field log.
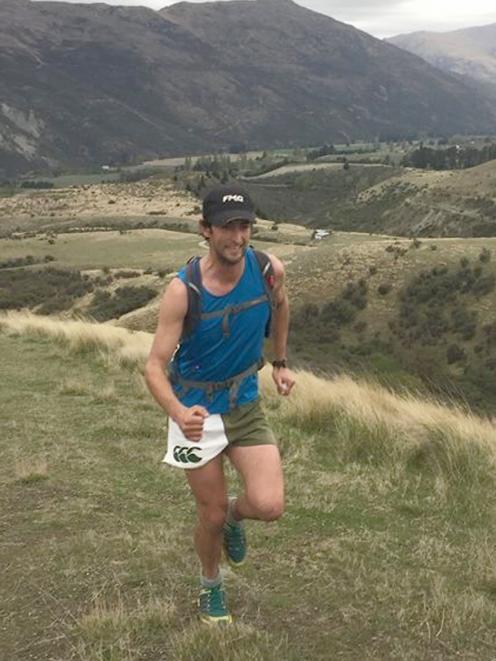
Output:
(230, 506)
(211, 582)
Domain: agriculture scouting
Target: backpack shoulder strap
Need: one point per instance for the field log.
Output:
(267, 270)
(193, 284)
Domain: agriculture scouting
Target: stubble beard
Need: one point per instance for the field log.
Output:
(230, 261)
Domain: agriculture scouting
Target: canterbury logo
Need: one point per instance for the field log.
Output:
(233, 198)
(186, 455)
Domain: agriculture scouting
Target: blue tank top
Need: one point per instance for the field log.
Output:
(208, 355)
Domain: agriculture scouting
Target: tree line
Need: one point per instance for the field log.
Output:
(451, 158)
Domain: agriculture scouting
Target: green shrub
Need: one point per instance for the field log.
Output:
(455, 354)
(51, 288)
(338, 312)
(37, 184)
(384, 288)
(356, 294)
(125, 299)
(464, 322)
(485, 255)
(29, 260)
(127, 273)
(484, 285)
(305, 316)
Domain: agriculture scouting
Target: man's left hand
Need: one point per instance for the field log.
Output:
(284, 380)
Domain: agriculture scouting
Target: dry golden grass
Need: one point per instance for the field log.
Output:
(374, 406)
(235, 643)
(113, 625)
(74, 386)
(111, 199)
(128, 347)
(411, 419)
(31, 470)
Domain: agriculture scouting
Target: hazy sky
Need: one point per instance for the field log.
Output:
(384, 18)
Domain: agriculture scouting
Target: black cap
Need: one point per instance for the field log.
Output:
(229, 202)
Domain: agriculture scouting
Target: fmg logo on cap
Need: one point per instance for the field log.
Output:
(225, 203)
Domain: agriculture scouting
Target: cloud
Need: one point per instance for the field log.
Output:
(360, 8)
(382, 18)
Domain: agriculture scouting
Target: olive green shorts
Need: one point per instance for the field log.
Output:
(244, 426)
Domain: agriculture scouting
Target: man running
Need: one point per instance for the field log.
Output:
(213, 319)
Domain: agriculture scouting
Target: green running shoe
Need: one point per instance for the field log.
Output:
(235, 543)
(212, 606)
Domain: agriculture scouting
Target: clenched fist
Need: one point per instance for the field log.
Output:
(191, 420)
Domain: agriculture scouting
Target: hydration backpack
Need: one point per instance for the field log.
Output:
(193, 283)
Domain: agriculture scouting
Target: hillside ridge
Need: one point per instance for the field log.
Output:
(206, 76)
(468, 52)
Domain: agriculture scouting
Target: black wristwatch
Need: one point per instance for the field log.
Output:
(280, 363)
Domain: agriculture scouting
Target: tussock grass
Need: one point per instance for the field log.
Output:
(130, 348)
(232, 643)
(28, 471)
(363, 421)
(73, 386)
(366, 422)
(445, 608)
(114, 630)
(106, 394)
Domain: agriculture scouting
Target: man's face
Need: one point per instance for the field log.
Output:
(230, 241)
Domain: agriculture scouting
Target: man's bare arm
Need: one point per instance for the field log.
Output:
(173, 308)
(283, 377)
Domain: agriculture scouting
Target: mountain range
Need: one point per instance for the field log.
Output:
(93, 84)
(470, 52)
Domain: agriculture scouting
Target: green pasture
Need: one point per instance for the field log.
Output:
(138, 248)
(96, 250)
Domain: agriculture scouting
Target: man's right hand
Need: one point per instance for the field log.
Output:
(191, 420)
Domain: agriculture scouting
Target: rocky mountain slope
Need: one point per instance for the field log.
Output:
(469, 52)
(91, 84)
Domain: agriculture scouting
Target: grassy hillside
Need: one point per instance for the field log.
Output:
(317, 196)
(385, 551)
(363, 197)
(411, 312)
(418, 313)
(414, 312)
(384, 199)
(450, 203)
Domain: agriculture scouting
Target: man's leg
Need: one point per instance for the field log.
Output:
(261, 471)
(209, 489)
